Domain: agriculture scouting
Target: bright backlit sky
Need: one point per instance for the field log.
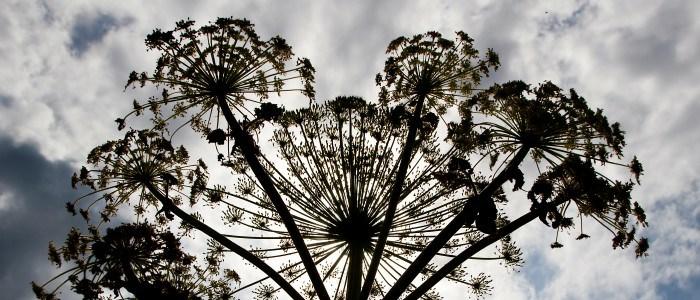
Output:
(63, 66)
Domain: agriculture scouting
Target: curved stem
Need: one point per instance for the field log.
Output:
(466, 216)
(248, 148)
(475, 248)
(245, 254)
(394, 198)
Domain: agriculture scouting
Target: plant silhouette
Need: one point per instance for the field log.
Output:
(351, 199)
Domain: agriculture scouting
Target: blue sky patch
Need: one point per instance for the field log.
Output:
(89, 30)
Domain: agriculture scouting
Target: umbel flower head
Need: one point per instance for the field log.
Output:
(430, 67)
(335, 168)
(123, 170)
(140, 258)
(545, 119)
(575, 181)
(222, 63)
(343, 169)
(566, 139)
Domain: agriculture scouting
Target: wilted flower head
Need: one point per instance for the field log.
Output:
(568, 142)
(575, 181)
(434, 68)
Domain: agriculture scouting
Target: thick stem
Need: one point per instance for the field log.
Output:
(394, 198)
(465, 216)
(354, 284)
(356, 254)
(248, 148)
(474, 249)
(235, 248)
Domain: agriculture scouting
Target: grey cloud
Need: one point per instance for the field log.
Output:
(576, 15)
(652, 49)
(536, 269)
(674, 239)
(345, 41)
(47, 13)
(36, 190)
(5, 100)
(675, 290)
(557, 23)
(88, 30)
(506, 42)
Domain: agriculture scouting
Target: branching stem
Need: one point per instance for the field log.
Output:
(475, 248)
(466, 216)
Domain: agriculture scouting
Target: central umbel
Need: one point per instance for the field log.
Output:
(357, 230)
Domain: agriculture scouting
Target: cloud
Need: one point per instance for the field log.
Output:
(65, 63)
(5, 101)
(687, 290)
(33, 191)
(91, 29)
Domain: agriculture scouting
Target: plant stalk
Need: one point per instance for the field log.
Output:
(394, 198)
(235, 248)
(354, 285)
(474, 249)
(249, 150)
(465, 216)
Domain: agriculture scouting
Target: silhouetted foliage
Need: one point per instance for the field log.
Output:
(351, 199)
(138, 258)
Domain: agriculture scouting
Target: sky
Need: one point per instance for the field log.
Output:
(65, 63)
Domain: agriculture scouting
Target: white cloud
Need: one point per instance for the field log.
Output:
(5, 200)
(636, 59)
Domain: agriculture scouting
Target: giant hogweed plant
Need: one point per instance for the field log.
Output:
(351, 199)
